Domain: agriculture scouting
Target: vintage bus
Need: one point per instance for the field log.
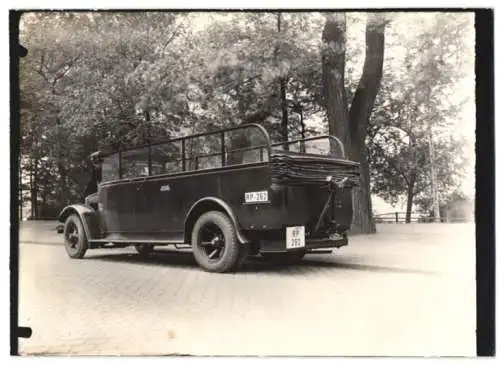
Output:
(224, 195)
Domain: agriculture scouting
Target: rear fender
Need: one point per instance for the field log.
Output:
(88, 216)
(205, 205)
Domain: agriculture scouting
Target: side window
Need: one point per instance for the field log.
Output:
(135, 163)
(110, 168)
(166, 158)
(246, 145)
(204, 152)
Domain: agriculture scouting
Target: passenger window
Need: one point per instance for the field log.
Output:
(135, 163)
(209, 162)
(166, 158)
(204, 152)
(246, 145)
(110, 168)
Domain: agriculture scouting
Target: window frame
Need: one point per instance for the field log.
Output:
(222, 152)
(267, 146)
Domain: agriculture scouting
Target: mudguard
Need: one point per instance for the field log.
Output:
(88, 216)
(222, 204)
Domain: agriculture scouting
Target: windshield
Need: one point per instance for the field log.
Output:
(110, 168)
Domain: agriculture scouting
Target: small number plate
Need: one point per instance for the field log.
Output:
(256, 197)
(295, 237)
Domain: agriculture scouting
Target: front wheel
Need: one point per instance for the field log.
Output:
(214, 242)
(75, 239)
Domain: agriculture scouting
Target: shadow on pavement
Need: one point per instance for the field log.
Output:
(254, 264)
(364, 267)
(158, 258)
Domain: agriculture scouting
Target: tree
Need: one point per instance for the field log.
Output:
(255, 72)
(350, 124)
(413, 101)
(399, 163)
(98, 79)
(85, 84)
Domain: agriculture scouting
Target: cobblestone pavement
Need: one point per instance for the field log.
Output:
(408, 290)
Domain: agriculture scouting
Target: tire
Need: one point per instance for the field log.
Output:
(214, 243)
(75, 240)
(284, 258)
(144, 250)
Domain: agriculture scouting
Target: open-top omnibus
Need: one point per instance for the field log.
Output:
(225, 195)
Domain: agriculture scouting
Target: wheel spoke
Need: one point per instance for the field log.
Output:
(213, 253)
(211, 242)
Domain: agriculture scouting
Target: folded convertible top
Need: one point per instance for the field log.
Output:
(290, 169)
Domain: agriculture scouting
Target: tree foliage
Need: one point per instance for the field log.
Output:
(418, 102)
(98, 79)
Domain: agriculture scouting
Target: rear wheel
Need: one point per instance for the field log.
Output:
(214, 242)
(284, 258)
(144, 250)
(75, 239)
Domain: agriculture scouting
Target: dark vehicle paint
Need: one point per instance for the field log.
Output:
(160, 208)
(159, 204)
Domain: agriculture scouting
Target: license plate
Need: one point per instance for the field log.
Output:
(256, 196)
(295, 237)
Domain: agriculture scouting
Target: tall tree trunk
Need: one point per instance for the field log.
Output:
(146, 133)
(363, 221)
(284, 107)
(44, 202)
(63, 190)
(410, 193)
(62, 194)
(351, 126)
(333, 68)
(434, 187)
(409, 203)
(284, 112)
(302, 131)
(34, 188)
(359, 116)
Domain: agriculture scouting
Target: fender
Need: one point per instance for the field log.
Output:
(88, 216)
(225, 207)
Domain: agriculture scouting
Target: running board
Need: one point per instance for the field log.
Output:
(99, 243)
(319, 251)
(152, 242)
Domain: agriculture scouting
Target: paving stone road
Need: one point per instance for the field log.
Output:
(409, 290)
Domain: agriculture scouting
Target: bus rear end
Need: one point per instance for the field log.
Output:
(310, 196)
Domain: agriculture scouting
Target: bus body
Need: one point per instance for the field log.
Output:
(225, 194)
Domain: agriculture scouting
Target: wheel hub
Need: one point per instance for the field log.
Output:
(217, 241)
(73, 236)
(213, 245)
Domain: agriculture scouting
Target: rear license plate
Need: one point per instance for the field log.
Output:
(295, 237)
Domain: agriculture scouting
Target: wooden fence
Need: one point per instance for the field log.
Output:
(400, 217)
